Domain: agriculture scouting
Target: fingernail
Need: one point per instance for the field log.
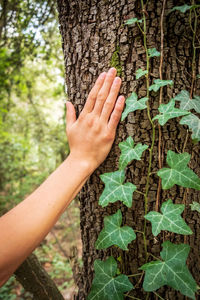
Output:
(102, 75)
(112, 71)
(117, 81)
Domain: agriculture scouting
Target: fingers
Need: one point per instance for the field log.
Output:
(104, 91)
(116, 114)
(110, 101)
(70, 115)
(89, 105)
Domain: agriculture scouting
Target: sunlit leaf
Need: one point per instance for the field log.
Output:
(171, 271)
(186, 103)
(193, 122)
(153, 52)
(158, 83)
(168, 111)
(133, 21)
(140, 73)
(170, 219)
(178, 173)
(113, 234)
(182, 8)
(132, 104)
(129, 152)
(195, 206)
(115, 189)
(106, 285)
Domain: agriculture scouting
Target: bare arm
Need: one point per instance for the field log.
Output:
(90, 140)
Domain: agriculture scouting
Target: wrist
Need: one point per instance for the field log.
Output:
(83, 165)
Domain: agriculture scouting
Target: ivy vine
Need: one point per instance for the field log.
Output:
(170, 269)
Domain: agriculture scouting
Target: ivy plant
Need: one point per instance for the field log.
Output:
(170, 268)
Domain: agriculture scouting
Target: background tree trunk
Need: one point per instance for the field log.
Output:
(94, 37)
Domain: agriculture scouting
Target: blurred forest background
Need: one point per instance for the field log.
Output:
(32, 126)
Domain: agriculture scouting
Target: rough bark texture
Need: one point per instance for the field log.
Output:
(93, 31)
(35, 280)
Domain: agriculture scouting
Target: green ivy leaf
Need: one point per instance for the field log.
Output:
(170, 219)
(129, 152)
(113, 234)
(182, 8)
(198, 76)
(172, 271)
(195, 206)
(115, 189)
(153, 52)
(186, 102)
(168, 111)
(133, 21)
(158, 83)
(105, 285)
(193, 122)
(140, 73)
(132, 104)
(179, 173)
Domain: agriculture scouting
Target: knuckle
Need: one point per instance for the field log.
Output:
(100, 96)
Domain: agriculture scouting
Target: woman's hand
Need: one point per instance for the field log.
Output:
(92, 134)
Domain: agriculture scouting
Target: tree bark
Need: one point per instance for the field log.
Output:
(92, 32)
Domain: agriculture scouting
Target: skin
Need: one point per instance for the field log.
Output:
(90, 139)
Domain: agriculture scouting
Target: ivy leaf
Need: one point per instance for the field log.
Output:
(113, 234)
(170, 219)
(105, 286)
(168, 111)
(195, 206)
(193, 123)
(179, 173)
(133, 21)
(198, 76)
(186, 102)
(153, 52)
(129, 152)
(158, 83)
(182, 8)
(132, 104)
(172, 271)
(140, 73)
(115, 189)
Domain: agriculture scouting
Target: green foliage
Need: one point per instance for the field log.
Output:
(115, 189)
(140, 73)
(172, 271)
(178, 173)
(133, 21)
(114, 234)
(168, 111)
(132, 104)
(129, 152)
(158, 83)
(153, 52)
(193, 122)
(182, 8)
(6, 292)
(106, 285)
(195, 206)
(115, 62)
(170, 219)
(186, 103)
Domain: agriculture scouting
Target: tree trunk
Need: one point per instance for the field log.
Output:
(94, 38)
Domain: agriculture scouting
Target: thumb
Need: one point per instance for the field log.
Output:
(70, 114)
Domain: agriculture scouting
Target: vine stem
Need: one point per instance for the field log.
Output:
(160, 153)
(158, 296)
(134, 275)
(152, 124)
(194, 30)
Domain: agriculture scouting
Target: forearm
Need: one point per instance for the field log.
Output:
(26, 225)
